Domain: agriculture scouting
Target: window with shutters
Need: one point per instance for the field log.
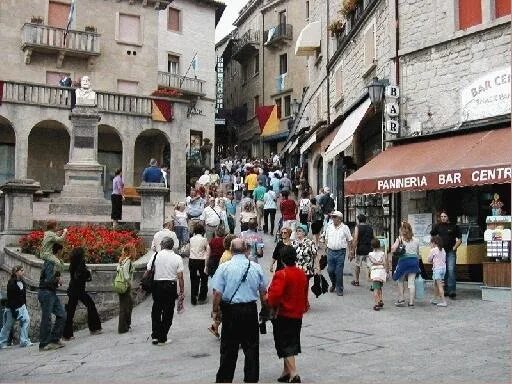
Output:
(501, 8)
(278, 103)
(369, 46)
(127, 87)
(173, 64)
(287, 105)
(58, 14)
(283, 63)
(470, 13)
(338, 75)
(129, 29)
(174, 20)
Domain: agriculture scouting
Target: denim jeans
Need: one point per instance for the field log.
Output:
(50, 304)
(24, 319)
(450, 283)
(335, 265)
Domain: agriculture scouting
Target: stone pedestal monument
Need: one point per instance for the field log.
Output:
(82, 193)
(152, 206)
(18, 198)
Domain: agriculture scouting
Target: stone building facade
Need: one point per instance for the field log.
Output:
(119, 45)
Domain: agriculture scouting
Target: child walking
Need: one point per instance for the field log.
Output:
(438, 259)
(378, 271)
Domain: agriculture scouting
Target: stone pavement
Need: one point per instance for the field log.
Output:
(343, 340)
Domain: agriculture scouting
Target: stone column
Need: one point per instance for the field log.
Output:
(177, 176)
(82, 193)
(21, 157)
(128, 161)
(152, 206)
(18, 209)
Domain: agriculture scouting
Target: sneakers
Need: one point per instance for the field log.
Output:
(97, 332)
(162, 343)
(295, 379)
(29, 344)
(154, 341)
(400, 303)
(433, 301)
(442, 304)
(52, 346)
(202, 302)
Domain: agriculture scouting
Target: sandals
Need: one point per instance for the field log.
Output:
(377, 307)
(400, 303)
(214, 332)
(355, 283)
(381, 304)
(284, 379)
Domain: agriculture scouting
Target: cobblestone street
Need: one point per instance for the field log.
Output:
(343, 340)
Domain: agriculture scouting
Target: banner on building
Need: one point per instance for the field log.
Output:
(162, 110)
(268, 120)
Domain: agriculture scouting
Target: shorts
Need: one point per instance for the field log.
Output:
(377, 284)
(359, 260)
(438, 273)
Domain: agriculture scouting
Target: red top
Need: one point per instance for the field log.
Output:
(216, 248)
(288, 209)
(288, 292)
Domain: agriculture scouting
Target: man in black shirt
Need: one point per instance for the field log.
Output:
(451, 236)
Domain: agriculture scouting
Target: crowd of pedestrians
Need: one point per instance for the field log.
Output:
(309, 235)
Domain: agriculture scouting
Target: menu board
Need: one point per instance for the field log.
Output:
(421, 224)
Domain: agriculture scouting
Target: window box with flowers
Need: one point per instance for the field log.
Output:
(337, 27)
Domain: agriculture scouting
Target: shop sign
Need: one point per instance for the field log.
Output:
(487, 96)
(392, 126)
(392, 91)
(439, 180)
(392, 109)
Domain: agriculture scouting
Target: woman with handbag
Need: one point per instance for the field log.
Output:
(125, 267)
(407, 248)
(76, 291)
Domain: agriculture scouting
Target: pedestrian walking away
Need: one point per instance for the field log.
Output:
(168, 275)
(117, 198)
(288, 297)
(125, 273)
(16, 309)
(199, 252)
(80, 275)
(437, 257)
(237, 285)
(363, 235)
(269, 211)
(379, 268)
(337, 239)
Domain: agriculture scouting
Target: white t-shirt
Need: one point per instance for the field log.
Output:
(337, 238)
(160, 235)
(269, 200)
(198, 247)
(304, 205)
(167, 265)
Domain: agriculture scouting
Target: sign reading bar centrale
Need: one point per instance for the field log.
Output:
(487, 96)
(434, 180)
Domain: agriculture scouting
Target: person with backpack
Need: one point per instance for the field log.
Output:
(363, 236)
(326, 203)
(123, 287)
(76, 291)
(305, 209)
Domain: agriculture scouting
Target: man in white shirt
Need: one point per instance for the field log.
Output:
(211, 217)
(168, 275)
(166, 231)
(337, 240)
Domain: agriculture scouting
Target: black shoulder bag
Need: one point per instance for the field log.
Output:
(146, 283)
(244, 278)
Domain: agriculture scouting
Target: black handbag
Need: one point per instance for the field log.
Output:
(323, 262)
(400, 250)
(146, 283)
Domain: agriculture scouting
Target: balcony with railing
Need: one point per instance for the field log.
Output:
(246, 46)
(187, 85)
(43, 95)
(278, 35)
(52, 40)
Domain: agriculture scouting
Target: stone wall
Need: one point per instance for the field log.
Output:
(100, 288)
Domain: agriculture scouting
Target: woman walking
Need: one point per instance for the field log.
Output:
(76, 291)
(125, 265)
(363, 235)
(16, 309)
(288, 295)
(304, 209)
(306, 251)
(317, 220)
(199, 251)
(408, 265)
(216, 250)
(276, 255)
(117, 198)
(269, 210)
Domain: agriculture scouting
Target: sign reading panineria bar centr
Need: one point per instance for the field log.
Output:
(440, 180)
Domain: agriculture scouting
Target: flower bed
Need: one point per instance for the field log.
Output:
(102, 245)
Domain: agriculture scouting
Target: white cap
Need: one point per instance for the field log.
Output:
(336, 213)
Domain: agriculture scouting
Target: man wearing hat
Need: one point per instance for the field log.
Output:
(337, 240)
(166, 231)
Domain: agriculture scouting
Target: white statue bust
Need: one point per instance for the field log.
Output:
(85, 95)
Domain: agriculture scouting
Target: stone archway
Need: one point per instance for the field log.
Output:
(48, 152)
(7, 150)
(150, 144)
(110, 154)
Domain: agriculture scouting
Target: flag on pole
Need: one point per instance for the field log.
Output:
(71, 19)
(195, 63)
(267, 118)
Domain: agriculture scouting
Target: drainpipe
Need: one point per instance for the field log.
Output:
(262, 69)
(397, 42)
(397, 197)
(326, 68)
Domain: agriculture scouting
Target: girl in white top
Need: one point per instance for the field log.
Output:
(181, 224)
(378, 271)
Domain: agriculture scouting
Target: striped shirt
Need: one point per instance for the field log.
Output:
(337, 238)
(229, 274)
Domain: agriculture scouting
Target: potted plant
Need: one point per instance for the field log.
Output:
(336, 27)
(348, 6)
(36, 20)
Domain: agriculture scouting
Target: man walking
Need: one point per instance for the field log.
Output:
(166, 231)
(363, 235)
(237, 285)
(326, 203)
(212, 216)
(337, 240)
(168, 274)
(258, 194)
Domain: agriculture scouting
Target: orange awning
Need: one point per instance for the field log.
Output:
(458, 161)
